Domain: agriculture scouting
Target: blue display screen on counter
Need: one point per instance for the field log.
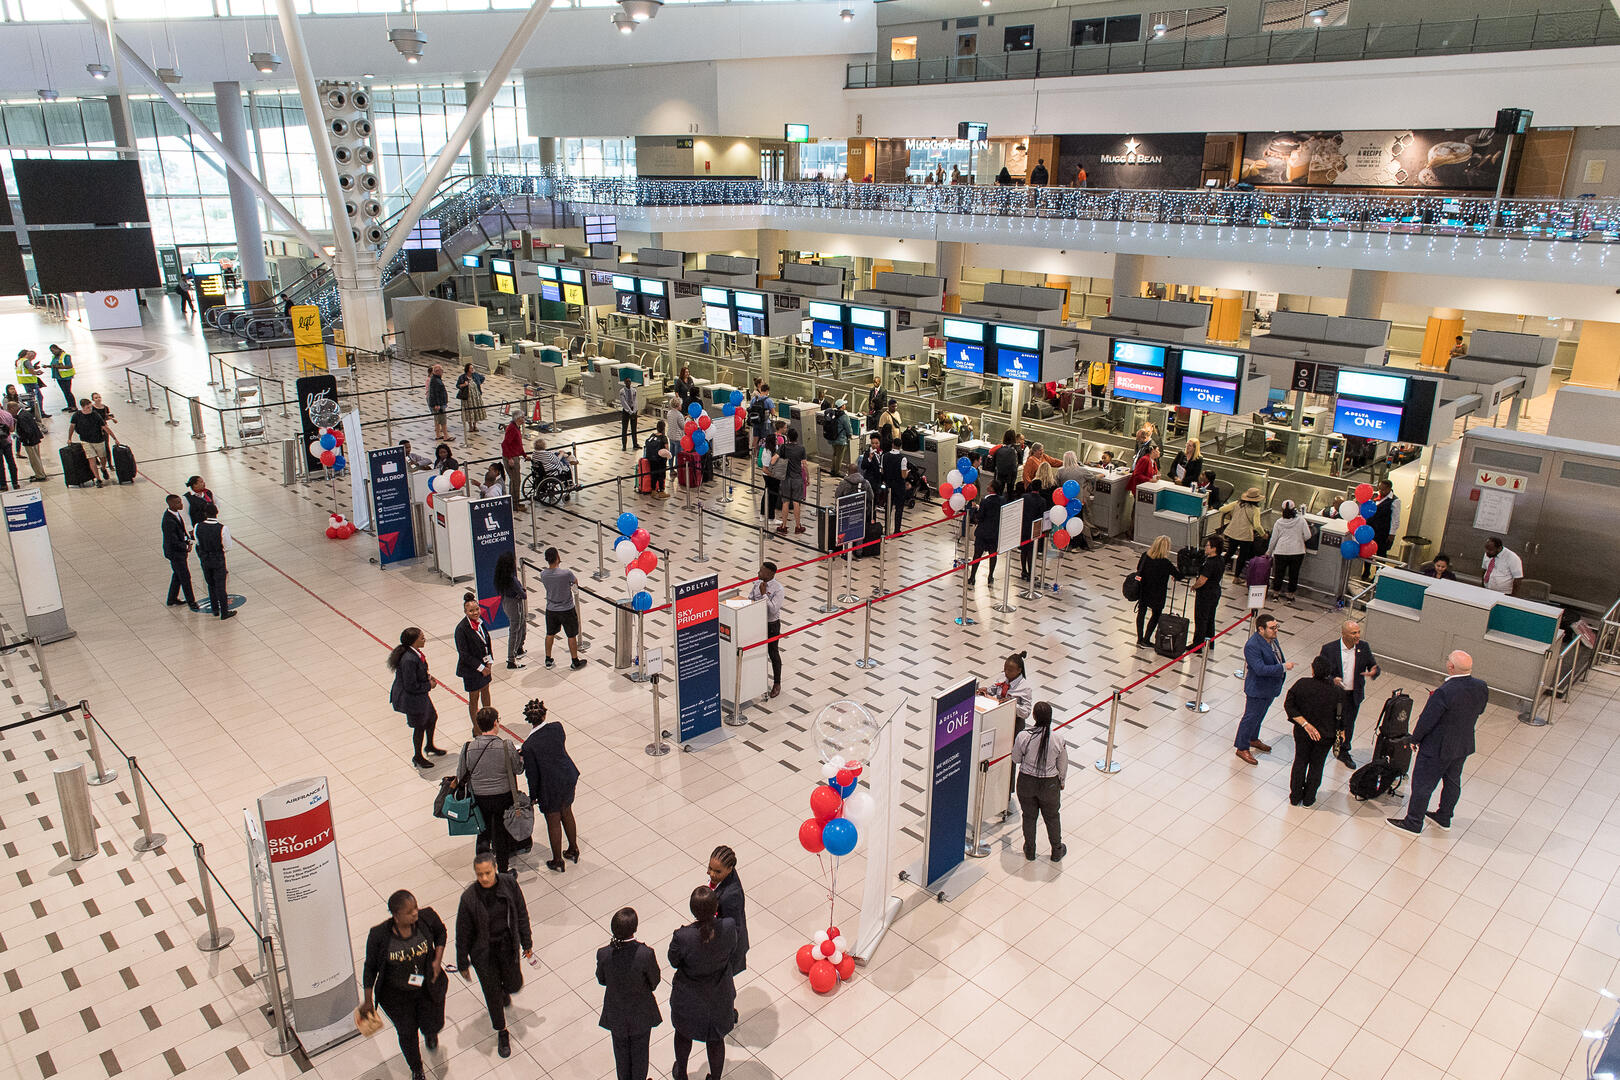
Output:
(1210, 395)
(870, 342)
(961, 356)
(1018, 364)
(827, 335)
(1368, 419)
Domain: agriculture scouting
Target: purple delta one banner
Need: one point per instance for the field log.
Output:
(950, 780)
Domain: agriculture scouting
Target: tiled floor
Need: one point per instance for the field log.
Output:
(1199, 928)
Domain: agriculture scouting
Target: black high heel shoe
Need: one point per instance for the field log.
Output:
(436, 752)
(572, 855)
(556, 866)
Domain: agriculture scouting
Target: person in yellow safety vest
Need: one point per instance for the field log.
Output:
(1097, 379)
(62, 372)
(28, 379)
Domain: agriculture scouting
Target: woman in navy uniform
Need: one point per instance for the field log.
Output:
(702, 995)
(629, 971)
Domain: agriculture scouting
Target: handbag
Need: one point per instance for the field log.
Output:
(777, 470)
(519, 817)
(1132, 588)
(465, 818)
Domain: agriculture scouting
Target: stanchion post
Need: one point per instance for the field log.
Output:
(618, 491)
(224, 437)
(1197, 703)
(880, 588)
(534, 533)
(849, 595)
(103, 774)
(827, 605)
(658, 747)
(281, 1043)
(196, 419)
(388, 415)
(640, 673)
(761, 541)
(737, 717)
(148, 840)
(965, 619)
(669, 579)
(866, 660)
(725, 483)
(168, 403)
(1108, 764)
(701, 557)
(1006, 606)
(601, 570)
(218, 936)
(129, 381)
(51, 700)
(211, 380)
(150, 407)
(975, 849)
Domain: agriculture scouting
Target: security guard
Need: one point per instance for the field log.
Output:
(213, 541)
(62, 372)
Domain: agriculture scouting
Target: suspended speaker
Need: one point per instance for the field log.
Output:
(336, 101)
(362, 128)
(368, 181)
(372, 208)
(360, 100)
(365, 155)
(356, 234)
(339, 128)
(342, 154)
(350, 209)
(374, 234)
(346, 181)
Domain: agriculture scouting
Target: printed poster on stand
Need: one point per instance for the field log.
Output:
(311, 389)
(492, 536)
(391, 504)
(697, 660)
(952, 751)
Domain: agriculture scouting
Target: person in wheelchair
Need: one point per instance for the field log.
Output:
(551, 478)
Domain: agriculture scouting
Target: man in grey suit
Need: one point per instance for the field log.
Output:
(1442, 741)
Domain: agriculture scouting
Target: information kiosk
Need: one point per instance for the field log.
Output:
(742, 623)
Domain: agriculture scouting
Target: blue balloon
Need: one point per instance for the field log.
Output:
(1368, 509)
(1071, 489)
(970, 475)
(839, 836)
(627, 523)
(1349, 548)
(736, 397)
(642, 601)
(433, 482)
(728, 409)
(1364, 535)
(339, 462)
(694, 410)
(963, 464)
(328, 441)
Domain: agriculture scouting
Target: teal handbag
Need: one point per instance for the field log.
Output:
(464, 816)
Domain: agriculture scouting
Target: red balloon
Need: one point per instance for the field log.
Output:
(1061, 538)
(328, 458)
(457, 479)
(946, 491)
(806, 957)
(689, 427)
(640, 539)
(832, 932)
(331, 532)
(704, 421)
(846, 967)
(1369, 549)
(1058, 498)
(828, 948)
(429, 500)
(686, 443)
(1354, 523)
(348, 530)
(646, 562)
(970, 492)
(810, 836)
(825, 803)
(1365, 492)
(739, 418)
(844, 778)
(950, 511)
(823, 977)
(338, 435)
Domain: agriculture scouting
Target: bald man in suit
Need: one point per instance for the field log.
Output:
(1442, 741)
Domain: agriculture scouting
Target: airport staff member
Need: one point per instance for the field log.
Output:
(1207, 590)
(213, 541)
(62, 372)
(1503, 570)
(492, 924)
(1350, 664)
(177, 549)
(629, 407)
(1443, 739)
(1266, 668)
(768, 589)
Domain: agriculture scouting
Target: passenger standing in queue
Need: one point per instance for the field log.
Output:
(475, 662)
(492, 924)
(404, 973)
(1153, 571)
(411, 694)
(1004, 462)
(553, 778)
(1289, 535)
(515, 603)
(768, 589)
(488, 766)
(629, 972)
(562, 616)
(1266, 668)
(1042, 765)
(1245, 532)
(1207, 591)
(657, 454)
(1145, 470)
(1312, 705)
(733, 905)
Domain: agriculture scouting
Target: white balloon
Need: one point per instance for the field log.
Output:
(858, 808)
(1074, 525)
(1349, 509)
(315, 447)
(829, 769)
(625, 552)
(838, 943)
(821, 935)
(954, 478)
(836, 958)
(1057, 515)
(635, 580)
(958, 502)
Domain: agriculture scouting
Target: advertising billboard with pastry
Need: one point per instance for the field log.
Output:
(1451, 159)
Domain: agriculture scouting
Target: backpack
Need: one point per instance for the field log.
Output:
(911, 439)
(829, 425)
(28, 432)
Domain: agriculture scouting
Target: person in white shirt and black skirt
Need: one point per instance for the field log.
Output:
(1042, 765)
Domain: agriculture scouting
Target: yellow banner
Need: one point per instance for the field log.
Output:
(306, 327)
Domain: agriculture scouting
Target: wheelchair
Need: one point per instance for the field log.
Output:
(550, 485)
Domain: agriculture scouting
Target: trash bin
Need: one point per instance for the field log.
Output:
(624, 635)
(78, 820)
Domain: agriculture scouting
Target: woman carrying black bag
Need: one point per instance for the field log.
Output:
(410, 693)
(1153, 571)
(405, 968)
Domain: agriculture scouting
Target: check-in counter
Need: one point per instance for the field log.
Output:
(1416, 621)
(975, 450)
(555, 373)
(1105, 498)
(617, 372)
(939, 456)
(595, 382)
(806, 416)
(1167, 509)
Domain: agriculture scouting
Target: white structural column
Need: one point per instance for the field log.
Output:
(121, 106)
(244, 214)
(948, 265)
(1128, 274)
(474, 118)
(1366, 298)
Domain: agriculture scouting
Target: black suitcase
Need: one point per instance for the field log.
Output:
(76, 467)
(124, 463)
(1171, 636)
(874, 531)
(1390, 762)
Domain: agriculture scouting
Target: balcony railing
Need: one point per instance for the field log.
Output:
(1324, 44)
(1569, 220)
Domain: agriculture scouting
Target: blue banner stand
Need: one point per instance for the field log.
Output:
(953, 759)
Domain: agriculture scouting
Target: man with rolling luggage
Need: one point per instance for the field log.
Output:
(1266, 668)
(91, 429)
(1350, 664)
(1442, 739)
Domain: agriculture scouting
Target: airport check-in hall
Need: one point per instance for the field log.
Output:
(950, 540)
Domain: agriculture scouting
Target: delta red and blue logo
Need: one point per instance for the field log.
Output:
(489, 607)
(386, 542)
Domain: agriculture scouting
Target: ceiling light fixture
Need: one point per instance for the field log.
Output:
(265, 62)
(984, 3)
(47, 95)
(847, 15)
(97, 71)
(624, 23)
(641, 10)
(409, 41)
(170, 75)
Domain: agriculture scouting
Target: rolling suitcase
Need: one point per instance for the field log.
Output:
(644, 476)
(874, 531)
(1390, 761)
(1170, 637)
(124, 463)
(76, 467)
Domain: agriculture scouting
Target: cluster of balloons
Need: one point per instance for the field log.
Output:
(728, 409)
(826, 960)
(1359, 542)
(961, 487)
(1065, 514)
(328, 449)
(631, 549)
(340, 528)
(695, 435)
(837, 810)
(454, 480)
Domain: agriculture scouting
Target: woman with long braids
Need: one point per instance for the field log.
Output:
(410, 693)
(702, 995)
(728, 889)
(1043, 763)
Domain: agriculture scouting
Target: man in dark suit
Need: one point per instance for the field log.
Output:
(177, 549)
(629, 971)
(1350, 664)
(1442, 740)
(1266, 668)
